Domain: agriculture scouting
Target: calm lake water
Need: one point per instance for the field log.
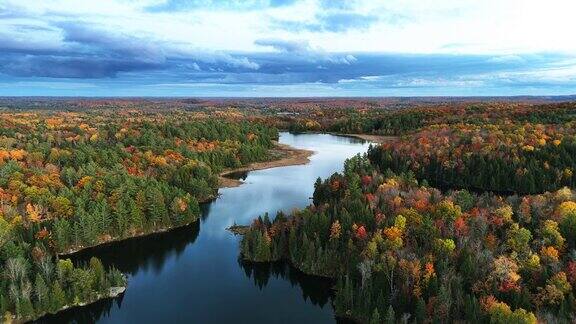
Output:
(193, 274)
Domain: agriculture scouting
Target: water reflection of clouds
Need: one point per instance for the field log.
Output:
(276, 189)
(196, 269)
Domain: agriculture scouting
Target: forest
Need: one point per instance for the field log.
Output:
(402, 249)
(465, 211)
(468, 215)
(73, 180)
(526, 158)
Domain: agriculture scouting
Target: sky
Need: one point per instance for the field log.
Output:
(285, 48)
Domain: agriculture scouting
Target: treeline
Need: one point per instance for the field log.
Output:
(74, 180)
(403, 251)
(506, 159)
(392, 123)
(406, 120)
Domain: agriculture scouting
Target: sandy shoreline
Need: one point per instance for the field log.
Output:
(292, 156)
(289, 156)
(285, 155)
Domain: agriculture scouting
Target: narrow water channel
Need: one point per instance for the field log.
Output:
(193, 274)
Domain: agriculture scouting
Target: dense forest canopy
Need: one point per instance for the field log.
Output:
(466, 211)
(400, 249)
(521, 158)
(468, 214)
(74, 180)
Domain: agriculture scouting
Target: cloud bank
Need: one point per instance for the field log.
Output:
(278, 48)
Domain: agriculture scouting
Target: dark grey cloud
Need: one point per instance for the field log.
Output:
(87, 51)
(300, 50)
(10, 44)
(369, 74)
(82, 53)
(95, 53)
(70, 67)
(116, 45)
(388, 69)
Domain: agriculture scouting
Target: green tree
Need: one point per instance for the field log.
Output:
(5, 232)
(263, 252)
(58, 298)
(420, 313)
(518, 238)
(568, 228)
(375, 319)
(156, 206)
(42, 292)
(390, 316)
(99, 275)
(62, 207)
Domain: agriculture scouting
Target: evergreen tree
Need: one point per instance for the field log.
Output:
(156, 206)
(42, 292)
(375, 319)
(262, 249)
(390, 316)
(420, 313)
(58, 298)
(99, 275)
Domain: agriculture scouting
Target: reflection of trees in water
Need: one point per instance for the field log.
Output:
(205, 210)
(87, 314)
(238, 175)
(316, 289)
(136, 254)
(129, 256)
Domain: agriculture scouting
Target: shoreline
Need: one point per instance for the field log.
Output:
(83, 249)
(289, 156)
(284, 155)
(281, 155)
(113, 292)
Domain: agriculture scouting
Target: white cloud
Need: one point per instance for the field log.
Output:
(475, 44)
(488, 26)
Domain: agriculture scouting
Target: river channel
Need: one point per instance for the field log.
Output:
(193, 274)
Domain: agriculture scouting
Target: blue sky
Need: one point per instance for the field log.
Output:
(287, 48)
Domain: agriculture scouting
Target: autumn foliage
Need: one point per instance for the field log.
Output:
(510, 257)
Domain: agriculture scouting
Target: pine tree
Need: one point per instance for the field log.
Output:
(61, 234)
(156, 206)
(262, 249)
(3, 305)
(136, 216)
(58, 299)
(42, 292)
(420, 312)
(25, 308)
(375, 319)
(122, 215)
(99, 275)
(102, 217)
(390, 316)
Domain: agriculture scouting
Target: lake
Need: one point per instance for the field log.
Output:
(194, 275)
